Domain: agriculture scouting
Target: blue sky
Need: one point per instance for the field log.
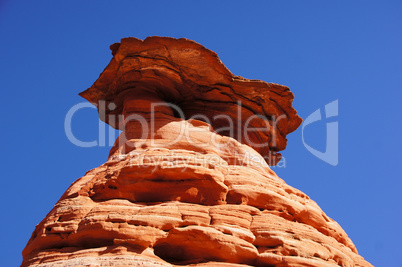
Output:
(348, 51)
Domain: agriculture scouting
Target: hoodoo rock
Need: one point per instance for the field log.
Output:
(188, 181)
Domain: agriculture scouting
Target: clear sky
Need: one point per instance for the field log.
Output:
(324, 51)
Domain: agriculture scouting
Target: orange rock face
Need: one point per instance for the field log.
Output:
(177, 191)
(184, 73)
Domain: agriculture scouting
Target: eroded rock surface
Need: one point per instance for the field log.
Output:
(177, 198)
(192, 77)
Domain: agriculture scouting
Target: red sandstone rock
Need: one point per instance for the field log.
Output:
(175, 197)
(185, 73)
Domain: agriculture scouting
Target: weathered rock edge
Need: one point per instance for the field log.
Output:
(185, 73)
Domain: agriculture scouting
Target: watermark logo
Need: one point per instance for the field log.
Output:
(330, 155)
(146, 127)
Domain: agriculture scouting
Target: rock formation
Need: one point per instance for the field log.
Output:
(188, 180)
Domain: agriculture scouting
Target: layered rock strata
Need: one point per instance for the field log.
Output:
(178, 192)
(194, 80)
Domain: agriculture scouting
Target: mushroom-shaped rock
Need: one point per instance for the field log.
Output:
(175, 191)
(143, 75)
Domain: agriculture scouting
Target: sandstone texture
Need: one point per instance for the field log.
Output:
(187, 74)
(183, 193)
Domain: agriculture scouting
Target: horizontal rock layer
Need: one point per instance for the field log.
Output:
(202, 206)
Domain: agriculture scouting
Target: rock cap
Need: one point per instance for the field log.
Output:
(193, 78)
